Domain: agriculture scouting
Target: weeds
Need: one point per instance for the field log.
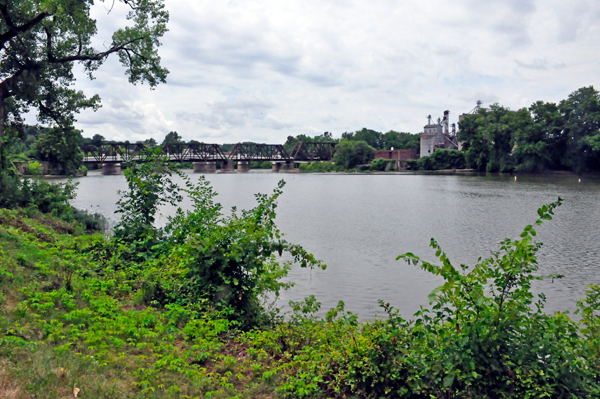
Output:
(82, 313)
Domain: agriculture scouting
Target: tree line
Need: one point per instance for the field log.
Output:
(546, 136)
(357, 148)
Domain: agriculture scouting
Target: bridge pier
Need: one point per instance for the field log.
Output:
(111, 168)
(243, 166)
(227, 167)
(205, 167)
(276, 166)
(288, 167)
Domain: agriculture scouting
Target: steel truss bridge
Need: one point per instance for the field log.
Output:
(118, 152)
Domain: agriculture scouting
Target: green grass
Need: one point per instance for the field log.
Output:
(68, 322)
(72, 317)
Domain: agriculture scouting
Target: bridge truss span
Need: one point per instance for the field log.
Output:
(119, 152)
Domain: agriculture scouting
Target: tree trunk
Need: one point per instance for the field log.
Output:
(2, 120)
(2, 113)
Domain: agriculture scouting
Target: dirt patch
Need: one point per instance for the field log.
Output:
(19, 224)
(8, 388)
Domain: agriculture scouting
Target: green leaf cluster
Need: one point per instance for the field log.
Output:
(82, 310)
(350, 154)
(441, 159)
(202, 257)
(546, 136)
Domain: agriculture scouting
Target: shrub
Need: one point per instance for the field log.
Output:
(202, 258)
(321, 166)
(352, 153)
(91, 221)
(261, 165)
(485, 336)
(442, 159)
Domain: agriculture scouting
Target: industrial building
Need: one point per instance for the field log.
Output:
(438, 135)
(442, 134)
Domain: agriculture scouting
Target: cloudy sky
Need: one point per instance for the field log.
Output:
(261, 70)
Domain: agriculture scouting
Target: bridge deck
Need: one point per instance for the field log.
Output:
(118, 152)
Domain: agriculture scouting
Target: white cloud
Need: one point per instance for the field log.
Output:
(264, 69)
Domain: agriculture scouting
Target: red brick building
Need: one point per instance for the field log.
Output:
(399, 155)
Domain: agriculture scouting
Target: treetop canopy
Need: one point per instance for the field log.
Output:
(40, 40)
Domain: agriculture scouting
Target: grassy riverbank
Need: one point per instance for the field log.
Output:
(181, 313)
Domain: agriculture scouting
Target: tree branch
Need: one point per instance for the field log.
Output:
(92, 57)
(13, 30)
(53, 114)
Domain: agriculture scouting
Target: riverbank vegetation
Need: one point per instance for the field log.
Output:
(545, 136)
(440, 159)
(186, 311)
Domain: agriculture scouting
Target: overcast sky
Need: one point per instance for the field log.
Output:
(262, 70)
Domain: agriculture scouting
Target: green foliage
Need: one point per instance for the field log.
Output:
(172, 138)
(482, 336)
(47, 197)
(352, 153)
(261, 165)
(150, 186)
(51, 36)
(302, 138)
(378, 164)
(412, 164)
(36, 194)
(377, 140)
(321, 166)
(581, 116)
(487, 136)
(385, 141)
(74, 315)
(60, 147)
(20, 142)
(442, 159)
(227, 261)
(371, 137)
(202, 258)
(91, 221)
(546, 136)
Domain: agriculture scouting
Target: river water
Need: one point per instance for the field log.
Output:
(359, 223)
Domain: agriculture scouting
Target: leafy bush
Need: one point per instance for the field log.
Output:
(202, 258)
(381, 164)
(150, 187)
(321, 166)
(47, 197)
(91, 221)
(34, 168)
(261, 165)
(485, 336)
(352, 153)
(442, 159)
(412, 164)
(482, 336)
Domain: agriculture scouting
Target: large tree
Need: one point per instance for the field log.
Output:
(487, 135)
(581, 116)
(352, 153)
(41, 40)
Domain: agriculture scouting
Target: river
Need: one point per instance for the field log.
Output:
(359, 223)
